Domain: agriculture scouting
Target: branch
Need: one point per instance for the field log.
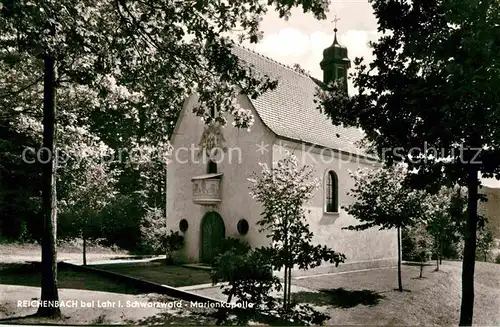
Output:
(360, 227)
(2, 96)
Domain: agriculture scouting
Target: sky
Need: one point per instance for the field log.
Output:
(303, 38)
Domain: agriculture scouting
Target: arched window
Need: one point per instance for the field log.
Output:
(331, 192)
(212, 167)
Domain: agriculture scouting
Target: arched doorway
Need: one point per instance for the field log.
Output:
(213, 233)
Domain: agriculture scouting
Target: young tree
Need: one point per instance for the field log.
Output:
(444, 213)
(155, 237)
(283, 190)
(141, 57)
(381, 199)
(92, 188)
(249, 276)
(429, 99)
(423, 244)
(485, 242)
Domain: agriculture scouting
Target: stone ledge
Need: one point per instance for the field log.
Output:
(197, 266)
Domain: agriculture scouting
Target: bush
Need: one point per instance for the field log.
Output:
(408, 245)
(154, 236)
(121, 222)
(173, 242)
(234, 245)
(497, 259)
(153, 232)
(250, 279)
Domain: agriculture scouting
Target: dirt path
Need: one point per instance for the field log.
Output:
(12, 253)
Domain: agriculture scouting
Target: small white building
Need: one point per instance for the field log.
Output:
(208, 200)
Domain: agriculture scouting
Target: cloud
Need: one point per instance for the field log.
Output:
(288, 42)
(290, 46)
(490, 182)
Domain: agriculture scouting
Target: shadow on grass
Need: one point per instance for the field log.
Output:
(30, 275)
(165, 318)
(159, 272)
(397, 290)
(339, 297)
(18, 318)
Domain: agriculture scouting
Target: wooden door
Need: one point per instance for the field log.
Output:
(213, 233)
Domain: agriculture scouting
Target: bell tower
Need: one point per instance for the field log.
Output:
(335, 62)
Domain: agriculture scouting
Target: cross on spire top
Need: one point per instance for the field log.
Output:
(335, 20)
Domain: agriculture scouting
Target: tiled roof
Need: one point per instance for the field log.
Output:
(289, 110)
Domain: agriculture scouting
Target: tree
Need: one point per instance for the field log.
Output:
(485, 242)
(155, 238)
(429, 99)
(20, 185)
(444, 213)
(298, 68)
(250, 278)
(90, 193)
(381, 199)
(423, 244)
(141, 57)
(283, 190)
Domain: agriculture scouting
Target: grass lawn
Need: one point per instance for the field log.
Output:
(159, 272)
(355, 298)
(371, 298)
(27, 274)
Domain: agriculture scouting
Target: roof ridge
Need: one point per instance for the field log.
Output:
(273, 60)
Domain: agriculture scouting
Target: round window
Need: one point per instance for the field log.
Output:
(243, 226)
(183, 225)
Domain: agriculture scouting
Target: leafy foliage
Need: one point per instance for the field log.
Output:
(423, 244)
(251, 281)
(155, 239)
(123, 70)
(118, 69)
(283, 190)
(250, 277)
(381, 199)
(428, 99)
(444, 215)
(485, 243)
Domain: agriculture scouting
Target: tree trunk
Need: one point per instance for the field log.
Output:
(468, 263)
(438, 254)
(289, 277)
(49, 197)
(400, 282)
(285, 275)
(285, 288)
(84, 249)
(421, 270)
